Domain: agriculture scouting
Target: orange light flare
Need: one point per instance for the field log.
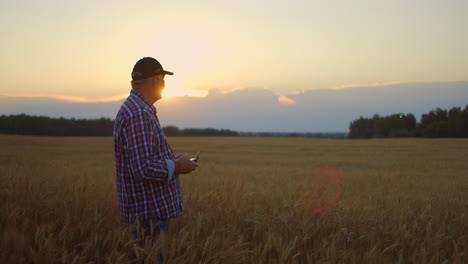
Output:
(286, 100)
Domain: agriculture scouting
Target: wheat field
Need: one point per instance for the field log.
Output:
(404, 201)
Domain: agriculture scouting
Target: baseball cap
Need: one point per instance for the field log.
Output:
(148, 67)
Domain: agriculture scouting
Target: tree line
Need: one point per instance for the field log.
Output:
(331, 135)
(436, 123)
(45, 126)
(23, 124)
(173, 131)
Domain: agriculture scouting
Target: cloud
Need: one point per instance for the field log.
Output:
(254, 109)
(181, 92)
(375, 84)
(71, 99)
(286, 100)
(325, 110)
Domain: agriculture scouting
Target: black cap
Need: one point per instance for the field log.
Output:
(146, 68)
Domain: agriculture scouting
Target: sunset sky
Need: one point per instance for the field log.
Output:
(85, 50)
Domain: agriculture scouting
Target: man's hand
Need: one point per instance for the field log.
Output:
(183, 164)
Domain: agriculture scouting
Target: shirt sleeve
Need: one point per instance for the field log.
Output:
(141, 140)
(171, 167)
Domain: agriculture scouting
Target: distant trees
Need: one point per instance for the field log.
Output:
(205, 132)
(363, 127)
(331, 135)
(45, 126)
(395, 125)
(442, 123)
(436, 123)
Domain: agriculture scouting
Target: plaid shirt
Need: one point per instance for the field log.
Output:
(145, 186)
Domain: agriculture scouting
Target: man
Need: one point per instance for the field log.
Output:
(147, 170)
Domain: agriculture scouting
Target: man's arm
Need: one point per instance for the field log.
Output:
(140, 135)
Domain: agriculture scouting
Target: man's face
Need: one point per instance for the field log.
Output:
(158, 85)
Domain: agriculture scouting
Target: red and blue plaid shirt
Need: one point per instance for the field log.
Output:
(145, 186)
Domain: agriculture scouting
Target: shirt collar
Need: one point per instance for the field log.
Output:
(142, 101)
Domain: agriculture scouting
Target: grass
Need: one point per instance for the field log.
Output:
(404, 201)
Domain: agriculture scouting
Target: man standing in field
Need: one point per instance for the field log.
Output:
(147, 170)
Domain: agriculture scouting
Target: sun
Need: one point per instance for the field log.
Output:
(190, 49)
(182, 92)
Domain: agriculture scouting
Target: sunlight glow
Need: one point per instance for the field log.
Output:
(375, 84)
(285, 100)
(71, 99)
(191, 49)
(180, 92)
(346, 86)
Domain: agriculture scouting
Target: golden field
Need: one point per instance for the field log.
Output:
(404, 201)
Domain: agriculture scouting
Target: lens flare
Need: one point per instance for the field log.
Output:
(325, 191)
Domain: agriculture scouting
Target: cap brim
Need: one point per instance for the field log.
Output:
(168, 73)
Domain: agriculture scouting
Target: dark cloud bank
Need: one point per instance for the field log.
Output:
(257, 110)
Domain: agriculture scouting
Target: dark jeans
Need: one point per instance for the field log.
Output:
(149, 229)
